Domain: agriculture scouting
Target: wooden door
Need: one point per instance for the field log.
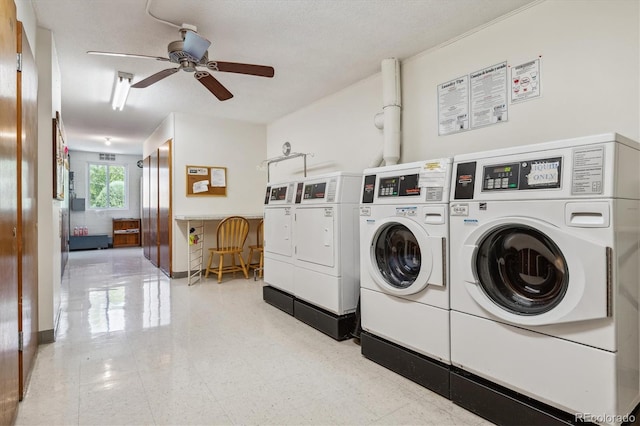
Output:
(8, 216)
(153, 209)
(27, 209)
(164, 207)
(145, 207)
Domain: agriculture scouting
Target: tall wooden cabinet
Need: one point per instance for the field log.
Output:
(156, 212)
(145, 208)
(153, 208)
(164, 208)
(8, 216)
(27, 210)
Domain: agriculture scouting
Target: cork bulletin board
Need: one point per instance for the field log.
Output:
(203, 181)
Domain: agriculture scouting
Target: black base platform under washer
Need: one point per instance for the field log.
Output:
(503, 406)
(278, 298)
(425, 371)
(339, 327)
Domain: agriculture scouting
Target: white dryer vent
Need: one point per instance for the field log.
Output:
(107, 157)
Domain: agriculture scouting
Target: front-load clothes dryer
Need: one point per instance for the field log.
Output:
(326, 268)
(278, 244)
(544, 281)
(404, 236)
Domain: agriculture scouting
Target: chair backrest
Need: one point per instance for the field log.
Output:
(260, 234)
(232, 232)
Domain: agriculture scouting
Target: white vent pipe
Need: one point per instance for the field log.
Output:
(391, 107)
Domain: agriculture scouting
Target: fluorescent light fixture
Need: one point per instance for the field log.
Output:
(121, 90)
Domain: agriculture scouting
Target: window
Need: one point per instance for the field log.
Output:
(107, 186)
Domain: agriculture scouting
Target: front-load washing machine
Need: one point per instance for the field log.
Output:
(326, 267)
(404, 235)
(279, 209)
(544, 281)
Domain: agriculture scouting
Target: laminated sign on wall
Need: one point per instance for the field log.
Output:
(453, 106)
(489, 95)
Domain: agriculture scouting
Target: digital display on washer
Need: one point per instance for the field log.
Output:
(543, 173)
(314, 190)
(399, 186)
(278, 193)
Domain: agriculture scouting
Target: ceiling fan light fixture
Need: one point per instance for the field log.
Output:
(121, 90)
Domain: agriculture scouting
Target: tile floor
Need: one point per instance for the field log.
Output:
(135, 347)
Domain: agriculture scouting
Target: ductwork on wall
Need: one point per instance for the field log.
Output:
(389, 119)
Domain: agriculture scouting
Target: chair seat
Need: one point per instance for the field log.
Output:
(231, 235)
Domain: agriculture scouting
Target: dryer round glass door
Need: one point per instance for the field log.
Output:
(522, 270)
(397, 255)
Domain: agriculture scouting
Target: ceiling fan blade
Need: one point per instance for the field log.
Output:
(259, 70)
(154, 78)
(127, 55)
(195, 45)
(214, 86)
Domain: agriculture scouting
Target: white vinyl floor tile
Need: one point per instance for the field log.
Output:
(134, 347)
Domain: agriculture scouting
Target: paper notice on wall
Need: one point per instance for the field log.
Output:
(489, 95)
(200, 186)
(525, 81)
(218, 178)
(199, 171)
(453, 106)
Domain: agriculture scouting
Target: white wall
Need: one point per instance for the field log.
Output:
(99, 221)
(199, 140)
(160, 135)
(27, 16)
(590, 75)
(49, 210)
(338, 131)
(590, 81)
(206, 141)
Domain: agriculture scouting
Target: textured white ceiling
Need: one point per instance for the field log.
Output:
(317, 47)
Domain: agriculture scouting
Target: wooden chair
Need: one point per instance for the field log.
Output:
(257, 248)
(231, 235)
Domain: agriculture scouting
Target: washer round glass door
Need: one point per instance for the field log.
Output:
(397, 255)
(522, 270)
(401, 260)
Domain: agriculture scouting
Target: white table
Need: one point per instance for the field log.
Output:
(195, 252)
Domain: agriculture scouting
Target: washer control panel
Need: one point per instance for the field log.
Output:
(315, 191)
(399, 186)
(541, 173)
(504, 176)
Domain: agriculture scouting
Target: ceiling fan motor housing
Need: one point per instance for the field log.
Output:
(177, 55)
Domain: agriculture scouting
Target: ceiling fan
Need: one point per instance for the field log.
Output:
(190, 53)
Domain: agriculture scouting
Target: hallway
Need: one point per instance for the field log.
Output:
(135, 347)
